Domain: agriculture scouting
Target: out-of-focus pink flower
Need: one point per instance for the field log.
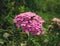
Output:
(30, 22)
(56, 20)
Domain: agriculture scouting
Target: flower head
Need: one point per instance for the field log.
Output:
(56, 20)
(30, 22)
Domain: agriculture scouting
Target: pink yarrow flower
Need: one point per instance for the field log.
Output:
(29, 22)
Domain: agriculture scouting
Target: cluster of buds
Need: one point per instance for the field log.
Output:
(56, 21)
(55, 24)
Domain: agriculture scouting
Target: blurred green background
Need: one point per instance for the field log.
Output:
(47, 9)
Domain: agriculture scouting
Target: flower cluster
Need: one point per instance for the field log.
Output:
(56, 20)
(29, 22)
(55, 25)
